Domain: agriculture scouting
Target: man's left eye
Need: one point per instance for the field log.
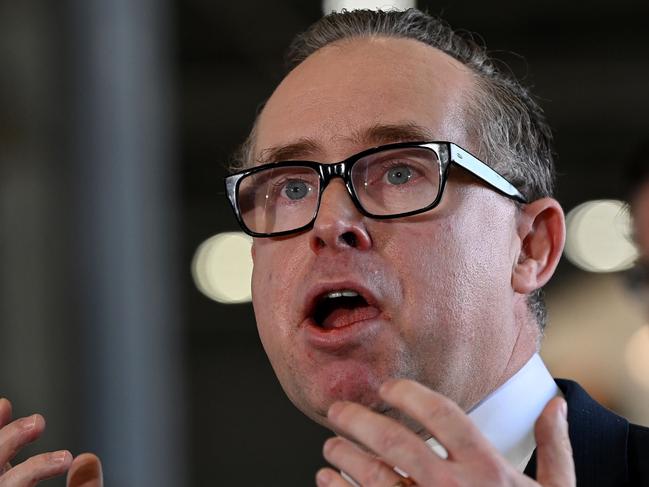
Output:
(296, 190)
(399, 175)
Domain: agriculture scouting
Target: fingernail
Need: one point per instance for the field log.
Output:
(564, 410)
(334, 409)
(59, 456)
(30, 422)
(323, 477)
(326, 448)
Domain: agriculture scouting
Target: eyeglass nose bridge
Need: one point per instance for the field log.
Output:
(330, 171)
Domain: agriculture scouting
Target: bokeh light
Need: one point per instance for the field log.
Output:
(222, 267)
(599, 236)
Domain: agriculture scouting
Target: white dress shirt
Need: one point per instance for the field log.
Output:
(506, 417)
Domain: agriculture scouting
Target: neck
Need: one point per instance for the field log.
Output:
(526, 344)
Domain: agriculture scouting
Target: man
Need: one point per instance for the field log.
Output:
(396, 292)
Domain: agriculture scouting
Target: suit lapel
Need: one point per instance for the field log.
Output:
(598, 438)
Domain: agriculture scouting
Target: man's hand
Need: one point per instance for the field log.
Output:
(83, 471)
(471, 458)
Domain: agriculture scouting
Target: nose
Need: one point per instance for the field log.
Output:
(339, 225)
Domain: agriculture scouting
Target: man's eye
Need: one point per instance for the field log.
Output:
(296, 190)
(399, 175)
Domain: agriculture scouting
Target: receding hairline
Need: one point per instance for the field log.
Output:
(376, 134)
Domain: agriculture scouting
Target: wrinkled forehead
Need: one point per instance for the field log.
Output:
(334, 101)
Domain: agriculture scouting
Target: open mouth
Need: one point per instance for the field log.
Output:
(340, 308)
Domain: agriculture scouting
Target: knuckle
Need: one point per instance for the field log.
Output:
(375, 474)
(390, 439)
(440, 410)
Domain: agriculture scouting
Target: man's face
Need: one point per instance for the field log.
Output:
(437, 301)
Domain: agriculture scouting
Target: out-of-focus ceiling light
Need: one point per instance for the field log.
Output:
(222, 267)
(599, 236)
(636, 356)
(329, 6)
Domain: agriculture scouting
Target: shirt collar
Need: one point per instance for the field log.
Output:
(506, 417)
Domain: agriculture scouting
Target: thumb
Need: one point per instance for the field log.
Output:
(85, 471)
(555, 467)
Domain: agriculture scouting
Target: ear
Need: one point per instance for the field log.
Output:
(541, 229)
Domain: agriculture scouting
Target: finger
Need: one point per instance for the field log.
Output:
(327, 477)
(441, 417)
(366, 469)
(5, 418)
(19, 433)
(555, 466)
(36, 469)
(393, 442)
(5, 412)
(85, 471)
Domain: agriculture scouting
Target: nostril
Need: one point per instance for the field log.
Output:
(349, 238)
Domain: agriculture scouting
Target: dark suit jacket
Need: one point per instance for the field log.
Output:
(607, 449)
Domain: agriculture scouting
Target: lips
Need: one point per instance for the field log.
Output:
(341, 308)
(337, 304)
(341, 316)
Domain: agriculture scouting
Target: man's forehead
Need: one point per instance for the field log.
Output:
(361, 93)
(373, 135)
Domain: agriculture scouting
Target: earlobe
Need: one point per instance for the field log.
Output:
(542, 232)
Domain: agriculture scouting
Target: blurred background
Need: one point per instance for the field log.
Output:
(117, 119)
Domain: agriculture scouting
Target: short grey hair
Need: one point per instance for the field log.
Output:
(509, 127)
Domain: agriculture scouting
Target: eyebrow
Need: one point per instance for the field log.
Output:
(377, 134)
(297, 150)
(380, 134)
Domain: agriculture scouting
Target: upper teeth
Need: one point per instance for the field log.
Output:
(342, 294)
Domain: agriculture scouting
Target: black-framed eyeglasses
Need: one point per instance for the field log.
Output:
(389, 181)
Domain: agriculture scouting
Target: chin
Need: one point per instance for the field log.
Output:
(315, 403)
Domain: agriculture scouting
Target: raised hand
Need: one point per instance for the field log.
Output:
(84, 471)
(471, 458)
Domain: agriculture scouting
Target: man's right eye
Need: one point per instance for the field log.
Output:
(296, 190)
(399, 175)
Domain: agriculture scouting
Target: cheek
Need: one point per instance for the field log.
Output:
(274, 278)
(451, 273)
(279, 266)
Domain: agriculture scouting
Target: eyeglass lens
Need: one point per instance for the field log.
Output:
(389, 182)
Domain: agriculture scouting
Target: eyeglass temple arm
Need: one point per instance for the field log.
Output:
(230, 185)
(475, 166)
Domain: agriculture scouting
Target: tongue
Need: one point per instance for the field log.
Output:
(340, 317)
